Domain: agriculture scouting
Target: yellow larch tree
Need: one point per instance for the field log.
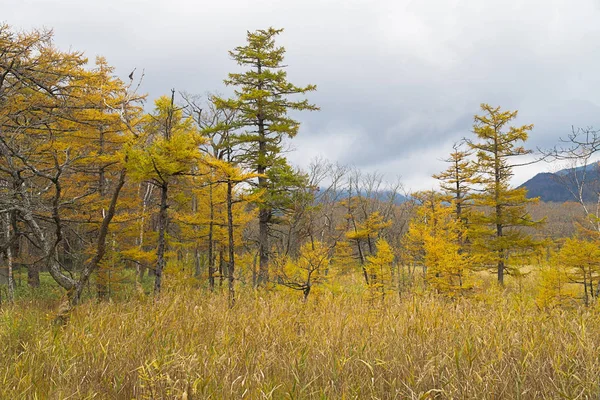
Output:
(580, 259)
(363, 233)
(306, 270)
(434, 242)
(379, 270)
(61, 140)
(170, 151)
(497, 229)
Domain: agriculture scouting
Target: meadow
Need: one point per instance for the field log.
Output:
(190, 345)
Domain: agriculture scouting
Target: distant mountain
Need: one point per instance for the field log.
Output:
(382, 195)
(386, 195)
(560, 186)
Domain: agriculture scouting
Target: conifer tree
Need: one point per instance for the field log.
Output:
(367, 231)
(379, 269)
(434, 241)
(217, 125)
(171, 151)
(554, 289)
(235, 200)
(497, 228)
(580, 259)
(457, 181)
(262, 102)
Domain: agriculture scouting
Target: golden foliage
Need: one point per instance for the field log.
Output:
(435, 241)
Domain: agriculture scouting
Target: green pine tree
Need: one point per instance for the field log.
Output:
(262, 100)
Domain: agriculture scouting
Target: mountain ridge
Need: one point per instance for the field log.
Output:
(562, 186)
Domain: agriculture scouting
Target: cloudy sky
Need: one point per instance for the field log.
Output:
(398, 80)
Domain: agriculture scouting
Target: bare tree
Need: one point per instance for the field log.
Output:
(579, 151)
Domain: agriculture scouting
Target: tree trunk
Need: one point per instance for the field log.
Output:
(361, 256)
(501, 270)
(162, 228)
(101, 243)
(263, 252)
(306, 292)
(102, 277)
(145, 200)
(221, 262)
(211, 257)
(9, 259)
(231, 243)
(591, 275)
(264, 214)
(33, 275)
(585, 289)
(499, 225)
(501, 252)
(163, 217)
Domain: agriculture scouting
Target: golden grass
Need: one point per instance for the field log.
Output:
(271, 345)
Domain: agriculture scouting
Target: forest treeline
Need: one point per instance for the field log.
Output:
(98, 184)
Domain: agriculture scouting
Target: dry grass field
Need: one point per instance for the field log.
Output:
(271, 345)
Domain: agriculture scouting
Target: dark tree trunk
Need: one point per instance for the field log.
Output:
(33, 275)
(8, 252)
(163, 217)
(501, 253)
(211, 245)
(101, 243)
(101, 282)
(162, 245)
(585, 289)
(306, 292)
(263, 240)
(499, 225)
(221, 262)
(231, 243)
(265, 212)
(264, 216)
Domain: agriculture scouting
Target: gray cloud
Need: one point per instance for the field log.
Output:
(398, 81)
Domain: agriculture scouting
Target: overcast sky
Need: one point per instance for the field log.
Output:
(398, 81)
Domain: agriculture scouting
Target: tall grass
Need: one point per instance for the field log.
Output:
(189, 344)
